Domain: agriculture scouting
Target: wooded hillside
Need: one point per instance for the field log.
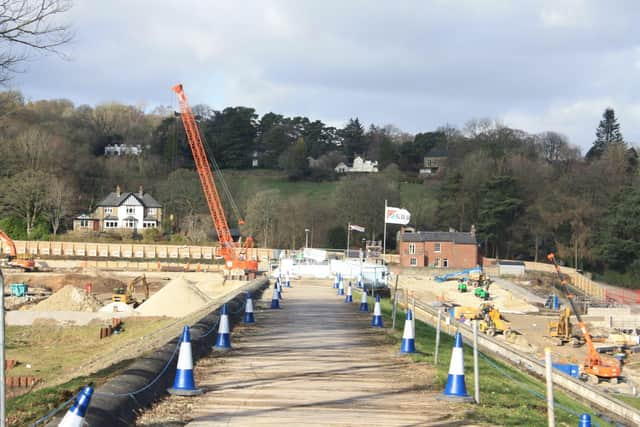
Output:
(526, 194)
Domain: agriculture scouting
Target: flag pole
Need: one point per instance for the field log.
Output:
(384, 235)
(348, 235)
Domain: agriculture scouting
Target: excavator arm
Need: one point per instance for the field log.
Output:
(25, 263)
(595, 366)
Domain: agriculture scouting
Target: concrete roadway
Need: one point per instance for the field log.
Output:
(315, 362)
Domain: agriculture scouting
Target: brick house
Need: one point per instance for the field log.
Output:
(438, 249)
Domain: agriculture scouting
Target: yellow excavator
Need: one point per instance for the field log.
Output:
(128, 295)
(561, 330)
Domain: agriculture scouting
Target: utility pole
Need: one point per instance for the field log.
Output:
(306, 237)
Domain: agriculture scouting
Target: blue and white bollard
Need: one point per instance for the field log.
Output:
(364, 304)
(184, 385)
(223, 341)
(408, 336)
(456, 388)
(377, 314)
(248, 310)
(275, 301)
(349, 297)
(75, 415)
(340, 288)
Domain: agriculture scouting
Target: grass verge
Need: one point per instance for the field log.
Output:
(26, 409)
(508, 397)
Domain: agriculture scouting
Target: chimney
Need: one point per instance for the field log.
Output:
(141, 191)
(473, 230)
(118, 190)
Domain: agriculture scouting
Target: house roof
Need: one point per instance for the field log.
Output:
(440, 236)
(114, 200)
(110, 218)
(437, 151)
(130, 218)
(149, 218)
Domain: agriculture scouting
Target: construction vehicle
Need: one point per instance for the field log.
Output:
(561, 330)
(462, 285)
(595, 367)
(491, 321)
(204, 164)
(483, 292)
(128, 295)
(25, 263)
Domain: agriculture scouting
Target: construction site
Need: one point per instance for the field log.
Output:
(76, 308)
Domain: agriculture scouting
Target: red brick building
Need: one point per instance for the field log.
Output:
(438, 249)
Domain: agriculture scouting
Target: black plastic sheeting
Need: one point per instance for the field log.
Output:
(123, 409)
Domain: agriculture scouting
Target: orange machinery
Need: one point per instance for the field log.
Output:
(595, 367)
(233, 260)
(25, 263)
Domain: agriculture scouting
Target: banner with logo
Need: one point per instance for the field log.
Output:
(397, 216)
(356, 228)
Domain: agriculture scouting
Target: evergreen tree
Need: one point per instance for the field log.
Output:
(353, 139)
(296, 161)
(499, 209)
(607, 133)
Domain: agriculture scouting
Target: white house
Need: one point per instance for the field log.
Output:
(359, 165)
(122, 211)
(122, 150)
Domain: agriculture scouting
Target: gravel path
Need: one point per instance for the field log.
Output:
(315, 362)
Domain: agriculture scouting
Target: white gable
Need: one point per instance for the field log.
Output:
(132, 201)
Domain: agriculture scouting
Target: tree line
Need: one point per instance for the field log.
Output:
(526, 194)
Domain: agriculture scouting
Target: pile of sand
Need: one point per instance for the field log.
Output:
(117, 307)
(69, 298)
(178, 298)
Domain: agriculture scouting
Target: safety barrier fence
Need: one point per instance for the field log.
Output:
(578, 280)
(524, 362)
(116, 403)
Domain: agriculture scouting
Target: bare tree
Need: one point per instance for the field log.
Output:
(58, 202)
(25, 194)
(27, 26)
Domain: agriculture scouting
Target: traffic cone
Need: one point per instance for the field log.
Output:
(223, 342)
(336, 283)
(359, 282)
(340, 288)
(585, 420)
(377, 314)
(248, 310)
(288, 282)
(275, 301)
(456, 388)
(184, 385)
(279, 288)
(409, 335)
(364, 305)
(75, 415)
(349, 297)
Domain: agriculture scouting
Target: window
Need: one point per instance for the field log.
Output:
(413, 261)
(445, 262)
(111, 224)
(131, 210)
(437, 263)
(130, 224)
(108, 211)
(412, 249)
(84, 223)
(152, 211)
(437, 247)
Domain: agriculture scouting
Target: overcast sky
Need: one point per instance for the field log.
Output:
(534, 65)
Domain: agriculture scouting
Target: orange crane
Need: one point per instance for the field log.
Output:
(26, 263)
(595, 366)
(233, 260)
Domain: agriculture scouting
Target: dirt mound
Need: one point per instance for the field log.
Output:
(56, 281)
(69, 298)
(178, 298)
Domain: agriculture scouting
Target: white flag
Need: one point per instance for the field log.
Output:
(397, 216)
(356, 228)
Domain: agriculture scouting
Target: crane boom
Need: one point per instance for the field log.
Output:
(203, 166)
(595, 365)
